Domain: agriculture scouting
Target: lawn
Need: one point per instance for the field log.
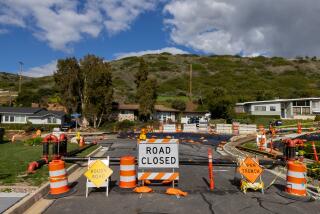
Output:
(250, 145)
(14, 160)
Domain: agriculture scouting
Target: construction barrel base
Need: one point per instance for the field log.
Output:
(62, 195)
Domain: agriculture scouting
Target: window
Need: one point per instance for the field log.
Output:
(11, 118)
(272, 108)
(296, 110)
(305, 110)
(6, 118)
(260, 108)
(301, 103)
(52, 120)
(20, 119)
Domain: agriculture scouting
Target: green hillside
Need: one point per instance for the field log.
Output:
(242, 78)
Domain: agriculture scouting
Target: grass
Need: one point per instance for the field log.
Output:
(14, 160)
(250, 145)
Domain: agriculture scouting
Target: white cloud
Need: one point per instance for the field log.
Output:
(171, 50)
(62, 22)
(285, 28)
(43, 70)
(120, 14)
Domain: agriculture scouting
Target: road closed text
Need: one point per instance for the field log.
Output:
(158, 156)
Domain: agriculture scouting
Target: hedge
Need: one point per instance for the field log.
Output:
(256, 119)
(28, 127)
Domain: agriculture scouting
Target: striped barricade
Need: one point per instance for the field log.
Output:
(170, 176)
(167, 141)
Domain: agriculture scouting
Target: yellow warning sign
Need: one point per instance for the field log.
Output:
(98, 173)
(250, 169)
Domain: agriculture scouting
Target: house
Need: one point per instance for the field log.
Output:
(128, 112)
(24, 115)
(131, 112)
(299, 108)
(165, 114)
(192, 115)
(195, 117)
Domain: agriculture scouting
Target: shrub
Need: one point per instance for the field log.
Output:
(124, 125)
(317, 118)
(33, 141)
(28, 127)
(178, 104)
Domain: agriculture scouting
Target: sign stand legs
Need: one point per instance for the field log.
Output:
(173, 180)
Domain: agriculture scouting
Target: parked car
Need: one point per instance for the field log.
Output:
(277, 123)
(68, 125)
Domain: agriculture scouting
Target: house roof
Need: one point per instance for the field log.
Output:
(20, 110)
(45, 112)
(164, 108)
(34, 112)
(278, 101)
(128, 107)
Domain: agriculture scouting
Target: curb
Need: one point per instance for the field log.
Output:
(28, 201)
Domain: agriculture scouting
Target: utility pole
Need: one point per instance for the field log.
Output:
(190, 82)
(20, 75)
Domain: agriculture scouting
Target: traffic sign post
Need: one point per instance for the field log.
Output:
(98, 174)
(158, 154)
(250, 171)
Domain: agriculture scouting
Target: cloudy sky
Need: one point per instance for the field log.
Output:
(38, 32)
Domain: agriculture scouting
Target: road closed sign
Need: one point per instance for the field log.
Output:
(158, 153)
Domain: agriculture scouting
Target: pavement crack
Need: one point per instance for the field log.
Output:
(207, 202)
(259, 200)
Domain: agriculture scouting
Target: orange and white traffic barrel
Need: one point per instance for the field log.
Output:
(296, 178)
(58, 180)
(127, 172)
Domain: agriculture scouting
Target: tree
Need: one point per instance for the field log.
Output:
(68, 83)
(85, 88)
(220, 104)
(147, 95)
(142, 75)
(27, 97)
(178, 104)
(97, 88)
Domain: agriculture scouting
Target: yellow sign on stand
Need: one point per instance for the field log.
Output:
(250, 169)
(98, 173)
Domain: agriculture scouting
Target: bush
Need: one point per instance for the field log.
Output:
(317, 118)
(313, 170)
(28, 127)
(124, 125)
(256, 119)
(34, 141)
(178, 104)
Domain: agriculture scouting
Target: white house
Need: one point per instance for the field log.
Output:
(9, 115)
(299, 108)
(195, 117)
(162, 113)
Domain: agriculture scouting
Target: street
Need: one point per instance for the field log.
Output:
(226, 197)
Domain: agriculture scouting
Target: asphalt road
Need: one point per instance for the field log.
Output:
(226, 197)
